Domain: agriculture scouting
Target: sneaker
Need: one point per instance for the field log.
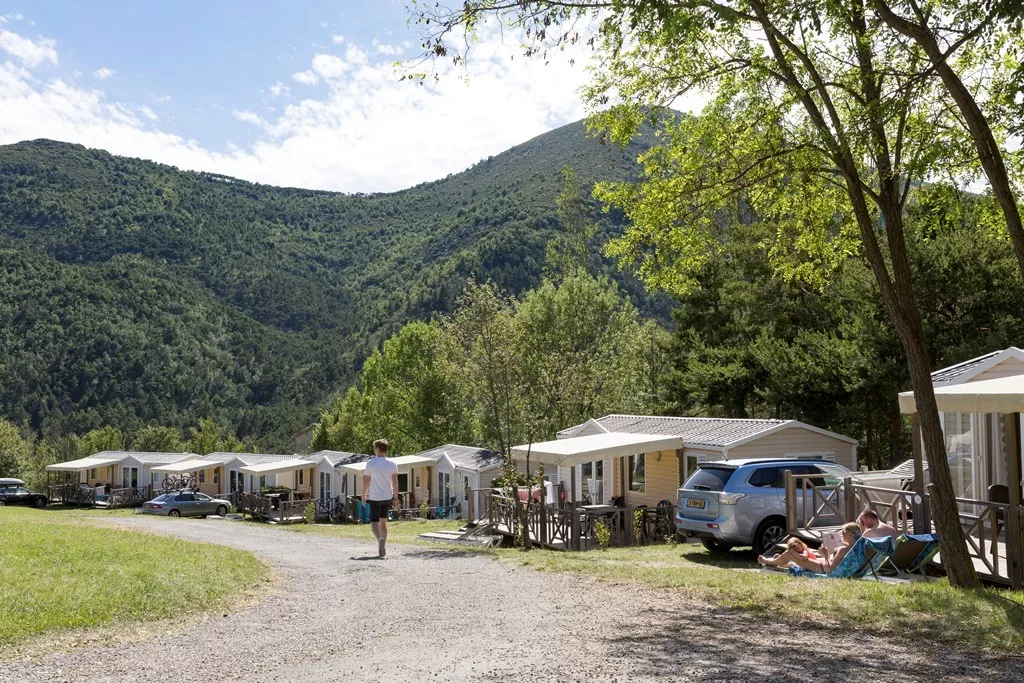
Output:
(380, 548)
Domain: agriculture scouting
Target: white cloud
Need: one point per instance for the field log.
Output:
(338, 39)
(279, 89)
(386, 48)
(366, 130)
(31, 53)
(249, 117)
(324, 24)
(162, 98)
(306, 77)
(147, 112)
(103, 73)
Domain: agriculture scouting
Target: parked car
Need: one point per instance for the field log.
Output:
(731, 503)
(185, 504)
(13, 492)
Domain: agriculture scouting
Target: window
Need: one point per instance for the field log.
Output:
(637, 478)
(216, 476)
(403, 483)
(92, 473)
(301, 477)
(202, 476)
(765, 477)
(263, 482)
(709, 479)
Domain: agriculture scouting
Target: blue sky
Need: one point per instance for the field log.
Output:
(298, 93)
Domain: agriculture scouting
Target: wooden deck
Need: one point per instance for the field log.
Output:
(994, 541)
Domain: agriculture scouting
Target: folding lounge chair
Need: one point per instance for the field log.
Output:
(863, 557)
(911, 553)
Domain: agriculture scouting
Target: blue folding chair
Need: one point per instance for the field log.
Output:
(911, 553)
(864, 556)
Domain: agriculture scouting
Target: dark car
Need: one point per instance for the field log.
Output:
(13, 492)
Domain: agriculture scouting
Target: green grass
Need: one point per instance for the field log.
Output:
(59, 572)
(988, 618)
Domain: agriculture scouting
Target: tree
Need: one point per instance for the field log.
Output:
(967, 34)
(409, 393)
(209, 437)
(817, 111)
(98, 440)
(343, 427)
(14, 450)
(158, 439)
(568, 252)
(486, 340)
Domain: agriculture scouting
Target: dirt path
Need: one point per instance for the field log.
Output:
(436, 615)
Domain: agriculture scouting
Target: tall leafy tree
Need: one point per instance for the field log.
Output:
(107, 438)
(568, 252)
(14, 450)
(344, 426)
(817, 110)
(158, 439)
(210, 437)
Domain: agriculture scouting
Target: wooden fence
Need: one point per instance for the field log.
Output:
(993, 531)
(568, 528)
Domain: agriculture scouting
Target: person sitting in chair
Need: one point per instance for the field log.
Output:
(872, 527)
(797, 553)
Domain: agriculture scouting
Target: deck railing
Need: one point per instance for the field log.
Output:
(994, 531)
(568, 528)
(71, 494)
(129, 497)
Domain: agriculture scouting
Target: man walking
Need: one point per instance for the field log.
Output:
(380, 491)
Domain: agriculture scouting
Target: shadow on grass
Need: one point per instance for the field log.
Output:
(440, 554)
(718, 644)
(730, 560)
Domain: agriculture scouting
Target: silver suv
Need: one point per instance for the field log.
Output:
(743, 502)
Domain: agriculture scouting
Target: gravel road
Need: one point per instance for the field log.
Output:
(438, 615)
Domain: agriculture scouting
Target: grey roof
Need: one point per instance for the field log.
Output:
(946, 375)
(465, 457)
(337, 458)
(249, 459)
(713, 432)
(146, 457)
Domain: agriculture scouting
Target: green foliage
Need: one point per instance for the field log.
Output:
(157, 439)
(309, 512)
(569, 250)
(102, 439)
(604, 535)
(500, 372)
(210, 437)
(132, 293)
(14, 450)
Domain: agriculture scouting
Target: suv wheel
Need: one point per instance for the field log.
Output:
(715, 546)
(39, 503)
(771, 531)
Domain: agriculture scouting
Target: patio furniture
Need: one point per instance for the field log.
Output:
(863, 557)
(911, 553)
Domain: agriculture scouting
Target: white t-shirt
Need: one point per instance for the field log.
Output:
(380, 469)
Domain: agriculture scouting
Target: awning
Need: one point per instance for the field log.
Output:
(278, 466)
(82, 464)
(580, 449)
(185, 466)
(400, 461)
(1003, 395)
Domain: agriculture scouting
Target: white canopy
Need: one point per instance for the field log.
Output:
(189, 465)
(82, 464)
(401, 461)
(278, 466)
(1003, 395)
(579, 449)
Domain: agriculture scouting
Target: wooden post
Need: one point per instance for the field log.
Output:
(572, 486)
(543, 514)
(1011, 426)
(791, 522)
(922, 520)
(851, 500)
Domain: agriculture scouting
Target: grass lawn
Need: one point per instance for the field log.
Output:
(58, 572)
(988, 618)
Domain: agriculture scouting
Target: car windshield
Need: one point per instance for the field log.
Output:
(709, 479)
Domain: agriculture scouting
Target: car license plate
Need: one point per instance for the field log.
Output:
(696, 503)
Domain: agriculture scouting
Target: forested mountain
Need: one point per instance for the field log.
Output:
(133, 292)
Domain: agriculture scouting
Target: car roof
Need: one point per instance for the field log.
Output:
(743, 462)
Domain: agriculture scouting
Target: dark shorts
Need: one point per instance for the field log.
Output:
(378, 509)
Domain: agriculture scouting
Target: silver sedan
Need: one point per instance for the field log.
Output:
(184, 504)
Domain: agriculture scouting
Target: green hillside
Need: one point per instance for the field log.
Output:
(134, 292)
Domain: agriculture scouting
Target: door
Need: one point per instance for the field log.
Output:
(592, 482)
(129, 477)
(444, 488)
(325, 488)
(185, 503)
